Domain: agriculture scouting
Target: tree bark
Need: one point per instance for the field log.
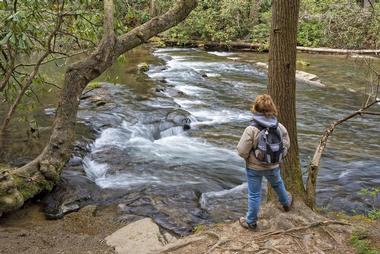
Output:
(42, 173)
(282, 84)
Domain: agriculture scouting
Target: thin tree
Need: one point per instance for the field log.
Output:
(254, 11)
(43, 172)
(153, 8)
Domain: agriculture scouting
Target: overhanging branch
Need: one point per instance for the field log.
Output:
(44, 171)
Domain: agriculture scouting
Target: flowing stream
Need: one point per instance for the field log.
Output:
(198, 171)
(167, 140)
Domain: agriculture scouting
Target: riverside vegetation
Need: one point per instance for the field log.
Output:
(36, 33)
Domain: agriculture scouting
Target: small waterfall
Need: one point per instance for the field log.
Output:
(94, 170)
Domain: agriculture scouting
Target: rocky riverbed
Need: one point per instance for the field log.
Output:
(162, 141)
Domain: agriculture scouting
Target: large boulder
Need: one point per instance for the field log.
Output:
(143, 237)
(309, 78)
(301, 76)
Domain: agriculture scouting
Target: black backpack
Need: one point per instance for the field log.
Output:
(270, 148)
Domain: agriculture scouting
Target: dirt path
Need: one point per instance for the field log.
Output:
(27, 231)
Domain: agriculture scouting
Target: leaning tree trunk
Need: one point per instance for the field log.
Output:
(43, 173)
(282, 84)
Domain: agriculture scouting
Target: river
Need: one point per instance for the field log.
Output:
(164, 142)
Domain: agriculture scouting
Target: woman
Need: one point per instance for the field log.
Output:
(253, 147)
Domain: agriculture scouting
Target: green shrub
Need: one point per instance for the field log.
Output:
(359, 242)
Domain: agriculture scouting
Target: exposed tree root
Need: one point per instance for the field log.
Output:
(219, 243)
(272, 249)
(315, 224)
(299, 231)
(180, 244)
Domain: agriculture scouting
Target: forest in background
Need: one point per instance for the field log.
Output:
(322, 23)
(27, 25)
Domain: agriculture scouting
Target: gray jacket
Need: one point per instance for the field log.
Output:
(249, 140)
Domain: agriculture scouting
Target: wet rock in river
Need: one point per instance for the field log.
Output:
(168, 91)
(308, 78)
(186, 127)
(50, 111)
(142, 67)
(301, 76)
(75, 161)
(164, 210)
(172, 92)
(163, 80)
(179, 117)
(100, 103)
(160, 68)
(159, 89)
(73, 191)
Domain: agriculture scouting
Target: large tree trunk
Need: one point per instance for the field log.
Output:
(42, 173)
(282, 84)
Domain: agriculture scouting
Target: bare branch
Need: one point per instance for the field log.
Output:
(9, 70)
(370, 113)
(28, 82)
(51, 84)
(77, 39)
(315, 162)
(53, 59)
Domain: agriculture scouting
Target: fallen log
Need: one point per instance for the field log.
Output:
(340, 51)
(246, 46)
(232, 46)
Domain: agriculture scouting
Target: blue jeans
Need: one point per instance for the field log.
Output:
(254, 179)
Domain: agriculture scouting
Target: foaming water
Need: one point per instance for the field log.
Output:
(210, 94)
(210, 117)
(95, 171)
(220, 53)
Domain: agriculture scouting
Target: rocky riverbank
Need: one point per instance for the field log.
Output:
(96, 229)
